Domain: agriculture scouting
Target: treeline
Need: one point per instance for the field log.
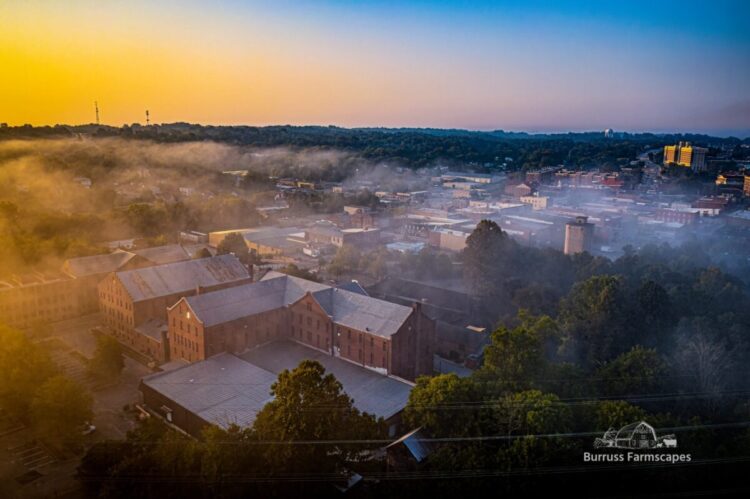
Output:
(405, 147)
(34, 236)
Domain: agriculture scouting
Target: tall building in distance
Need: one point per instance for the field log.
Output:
(579, 235)
(685, 154)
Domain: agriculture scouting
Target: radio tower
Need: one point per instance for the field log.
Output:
(96, 106)
(148, 120)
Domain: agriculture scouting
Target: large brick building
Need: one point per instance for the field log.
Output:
(134, 302)
(386, 337)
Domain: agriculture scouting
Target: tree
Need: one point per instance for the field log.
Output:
(514, 359)
(487, 258)
(310, 406)
(60, 407)
(292, 270)
(445, 405)
(203, 253)
(23, 368)
(616, 414)
(636, 372)
(530, 416)
(108, 361)
(595, 320)
(346, 260)
(234, 243)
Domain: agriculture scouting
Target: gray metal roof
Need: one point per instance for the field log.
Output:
(222, 389)
(173, 278)
(98, 264)
(347, 308)
(372, 392)
(226, 389)
(236, 302)
(161, 255)
(363, 313)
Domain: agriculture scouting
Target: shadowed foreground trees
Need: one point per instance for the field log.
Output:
(307, 438)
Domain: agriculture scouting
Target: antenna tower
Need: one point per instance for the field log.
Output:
(96, 106)
(148, 119)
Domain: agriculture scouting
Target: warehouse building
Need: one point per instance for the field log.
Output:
(379, 335)
(134, 302)
(227, 390)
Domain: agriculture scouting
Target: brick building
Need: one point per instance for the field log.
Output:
(134, 302)
(379, 335)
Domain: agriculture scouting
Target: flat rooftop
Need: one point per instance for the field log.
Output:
(227, 389)
(373, 392)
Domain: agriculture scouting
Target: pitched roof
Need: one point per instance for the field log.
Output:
(236, 302)
(160, 255)
(173, 278)
(347, 308)
(98, 264)
(274, 291)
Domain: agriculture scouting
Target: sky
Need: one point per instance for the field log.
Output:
(530, 65)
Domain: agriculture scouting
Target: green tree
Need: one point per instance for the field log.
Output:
(234, 243)
(308, 407)
(445, 406)
(595, 320)
(636, 372)
(514, 359)
(616, 414)
(108, 361)
(203, 253)
(346, 260)
(23, 368)
(530, 417)
(59, 407)
(488, 258)
(292, 270)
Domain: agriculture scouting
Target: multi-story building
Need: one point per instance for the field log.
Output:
(579, 235)
(684, 154)
(536, 202)
(379, 335)
(40, 297)
(134, 302)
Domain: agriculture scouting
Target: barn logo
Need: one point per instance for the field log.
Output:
(635, 436)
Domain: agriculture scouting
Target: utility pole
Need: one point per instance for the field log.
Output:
(96, 107)
(148, 119)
